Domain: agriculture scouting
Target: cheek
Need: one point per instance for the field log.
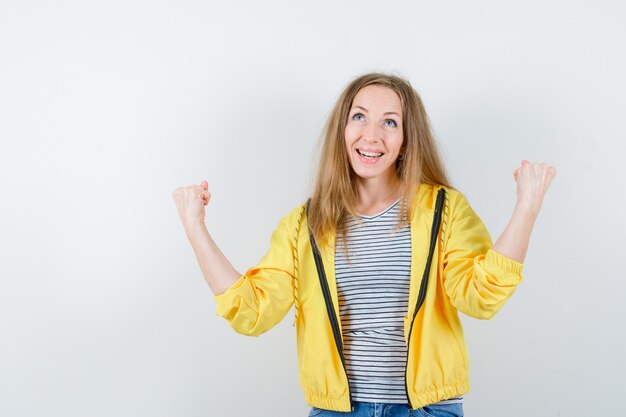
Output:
(350, 132)
(397, 142)
(349, 137)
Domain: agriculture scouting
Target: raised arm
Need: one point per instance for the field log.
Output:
(253, 302)
(533, 181)
(480, 277)
(218, 272)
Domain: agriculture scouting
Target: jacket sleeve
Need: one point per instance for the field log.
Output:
(262, 296)
(477, 279)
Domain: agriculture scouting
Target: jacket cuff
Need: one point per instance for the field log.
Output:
(503, 263)
(230, 291)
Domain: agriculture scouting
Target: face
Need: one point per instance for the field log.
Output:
(374, 132)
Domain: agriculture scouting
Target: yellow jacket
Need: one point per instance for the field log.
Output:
(464, 274)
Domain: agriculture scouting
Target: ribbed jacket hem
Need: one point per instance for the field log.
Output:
(419, 399)
(326, 403)
(425, 397)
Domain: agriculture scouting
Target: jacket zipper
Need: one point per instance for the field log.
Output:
(329, 307)
(331, 313)
(434, 231)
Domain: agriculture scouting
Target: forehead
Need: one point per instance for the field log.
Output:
(378, 98)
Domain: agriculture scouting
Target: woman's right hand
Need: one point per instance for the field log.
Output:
(190, 202)
(217, 270)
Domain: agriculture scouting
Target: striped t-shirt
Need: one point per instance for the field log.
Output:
(373, 292)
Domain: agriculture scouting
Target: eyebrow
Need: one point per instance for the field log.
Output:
(364, 109)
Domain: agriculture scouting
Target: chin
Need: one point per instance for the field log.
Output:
(366, 175)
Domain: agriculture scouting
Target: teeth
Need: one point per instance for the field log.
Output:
(370, 154)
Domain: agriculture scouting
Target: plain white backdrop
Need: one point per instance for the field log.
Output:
(107, 107)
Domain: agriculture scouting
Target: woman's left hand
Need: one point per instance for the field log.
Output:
(533, 181)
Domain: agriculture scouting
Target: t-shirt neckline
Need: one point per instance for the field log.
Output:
(363, 216)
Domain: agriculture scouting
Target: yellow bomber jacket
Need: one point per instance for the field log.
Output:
(453, 268)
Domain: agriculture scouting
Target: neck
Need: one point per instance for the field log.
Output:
(374, 192)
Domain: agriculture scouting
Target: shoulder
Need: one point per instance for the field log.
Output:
(455, 204)
(426, 196)
(289, 226)
(294, 218)
(456, 198)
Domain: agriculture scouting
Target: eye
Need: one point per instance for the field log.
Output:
(357, 115)
(393, 123)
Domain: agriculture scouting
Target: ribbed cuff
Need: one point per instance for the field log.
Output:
(503, 262)
(230, 289)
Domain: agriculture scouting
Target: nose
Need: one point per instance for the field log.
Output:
(372, 132)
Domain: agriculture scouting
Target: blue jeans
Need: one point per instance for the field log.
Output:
(392, 410)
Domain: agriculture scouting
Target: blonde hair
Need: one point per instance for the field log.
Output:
(335, 193)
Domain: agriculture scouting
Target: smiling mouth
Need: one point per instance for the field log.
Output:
(369, 155)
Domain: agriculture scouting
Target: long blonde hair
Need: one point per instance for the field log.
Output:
(335, 193)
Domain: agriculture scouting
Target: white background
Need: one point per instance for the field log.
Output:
(107, 107)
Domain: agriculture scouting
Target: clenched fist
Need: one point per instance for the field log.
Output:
(190, 202)
(533, 181)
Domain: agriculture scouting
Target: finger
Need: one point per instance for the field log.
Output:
(205, 184)
(197, 189)
(525, 162)
(551, 174)
(552, 171)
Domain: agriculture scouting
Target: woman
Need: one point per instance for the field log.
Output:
(378, 262)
